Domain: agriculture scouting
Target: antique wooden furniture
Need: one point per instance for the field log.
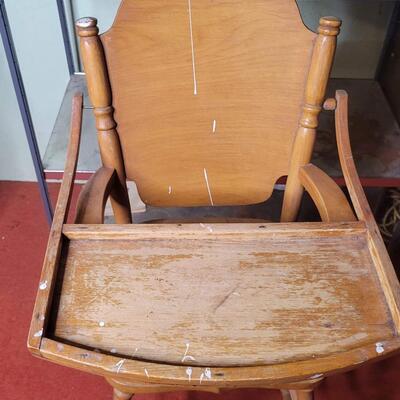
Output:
(209, 103)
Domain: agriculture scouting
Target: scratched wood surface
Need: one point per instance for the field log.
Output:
(222, 298)
(207, 96)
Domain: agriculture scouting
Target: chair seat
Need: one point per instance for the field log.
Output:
(217, 295)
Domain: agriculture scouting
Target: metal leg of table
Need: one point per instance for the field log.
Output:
(24, 108)
(66, 37)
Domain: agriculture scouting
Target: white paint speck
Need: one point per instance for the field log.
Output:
(43, 285)
(201, 377)
(119, 365)
(207, 373)
(169, 189)
(192, 46)
(60, 347)
(316, 376)
(38, 333)
(208, 186)
(84, 22)
(189, 371)
(146, 372)
(206, 227)
(102, 324)
(185, 356)
(214, 126)
(113, 350)
(379, 348)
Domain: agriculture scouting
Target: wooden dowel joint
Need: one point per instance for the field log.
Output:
(330, 104)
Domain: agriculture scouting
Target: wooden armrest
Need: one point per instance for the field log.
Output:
(351, 178)
(92, 199)
(52, 256)
(331, 202)
(386, 273)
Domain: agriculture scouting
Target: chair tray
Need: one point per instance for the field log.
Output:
(220, 294)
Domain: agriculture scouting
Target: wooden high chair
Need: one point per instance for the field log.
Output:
(209, 103)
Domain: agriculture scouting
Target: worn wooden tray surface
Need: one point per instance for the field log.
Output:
(221, 295)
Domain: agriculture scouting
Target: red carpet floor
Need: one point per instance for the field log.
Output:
(23, 236)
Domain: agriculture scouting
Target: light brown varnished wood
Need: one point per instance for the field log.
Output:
(137, 387)
(51, 261)
(100, 96)
(213, 306)
(194, 231)
(329, 199)
(119, 395)
(93, 197)
(386, 273)
(301, 395)
(236, 293)
(266, 376)
(251, 61)
(321, 63)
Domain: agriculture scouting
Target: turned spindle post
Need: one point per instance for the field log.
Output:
(321, 63)
(100, 95)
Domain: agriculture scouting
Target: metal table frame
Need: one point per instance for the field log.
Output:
(19, 88)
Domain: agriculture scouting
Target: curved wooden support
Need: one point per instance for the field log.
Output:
(118, 395)
(93, 197)
(321, 63)
(100, 96)
(331, 202)
(386, 273)
(52, 256)
(351, 178)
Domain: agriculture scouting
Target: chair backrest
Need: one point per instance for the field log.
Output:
(208, 96)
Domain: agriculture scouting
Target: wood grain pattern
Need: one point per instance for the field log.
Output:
(251, 61)
(287, 375)
(139, 387)
(239, 297)
(329, 199)
(194, 231)
(384, 267)
(51, 260)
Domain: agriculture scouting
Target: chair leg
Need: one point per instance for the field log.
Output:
(301, 394)
(118, 395)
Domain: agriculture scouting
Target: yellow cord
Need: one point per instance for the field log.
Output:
(392, 215)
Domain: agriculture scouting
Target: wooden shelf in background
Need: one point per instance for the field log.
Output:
(374, 132)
